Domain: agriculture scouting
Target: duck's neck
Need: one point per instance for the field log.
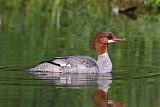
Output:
(102, 50)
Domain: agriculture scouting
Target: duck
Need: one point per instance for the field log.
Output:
(129, 11)
(80, 63)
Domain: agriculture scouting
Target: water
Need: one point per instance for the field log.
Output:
(34, 31)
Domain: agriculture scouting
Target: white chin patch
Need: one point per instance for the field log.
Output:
(111, 41)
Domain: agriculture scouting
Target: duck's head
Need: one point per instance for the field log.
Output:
(102, 39)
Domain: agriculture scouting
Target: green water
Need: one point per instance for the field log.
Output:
(32, 31)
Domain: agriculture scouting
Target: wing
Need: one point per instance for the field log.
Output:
(75, 61)
(77, 64)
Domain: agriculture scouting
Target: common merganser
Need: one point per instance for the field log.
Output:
(83, 64)
(129, 11)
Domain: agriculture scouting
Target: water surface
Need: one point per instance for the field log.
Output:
(34, 31)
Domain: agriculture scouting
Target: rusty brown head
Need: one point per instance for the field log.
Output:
(105, 38)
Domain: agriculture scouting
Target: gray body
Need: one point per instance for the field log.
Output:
(76, 64)
(70, 64)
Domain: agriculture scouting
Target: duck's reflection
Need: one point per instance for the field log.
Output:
(70, 80)
(75, 80)
(101, 95)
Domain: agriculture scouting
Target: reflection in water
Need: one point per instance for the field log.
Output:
(79, 80)
(70, 80)
(0, 21)
(101, 96)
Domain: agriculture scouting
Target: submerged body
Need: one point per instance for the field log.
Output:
(76, 64)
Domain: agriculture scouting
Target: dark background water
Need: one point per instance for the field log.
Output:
(32, 31)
